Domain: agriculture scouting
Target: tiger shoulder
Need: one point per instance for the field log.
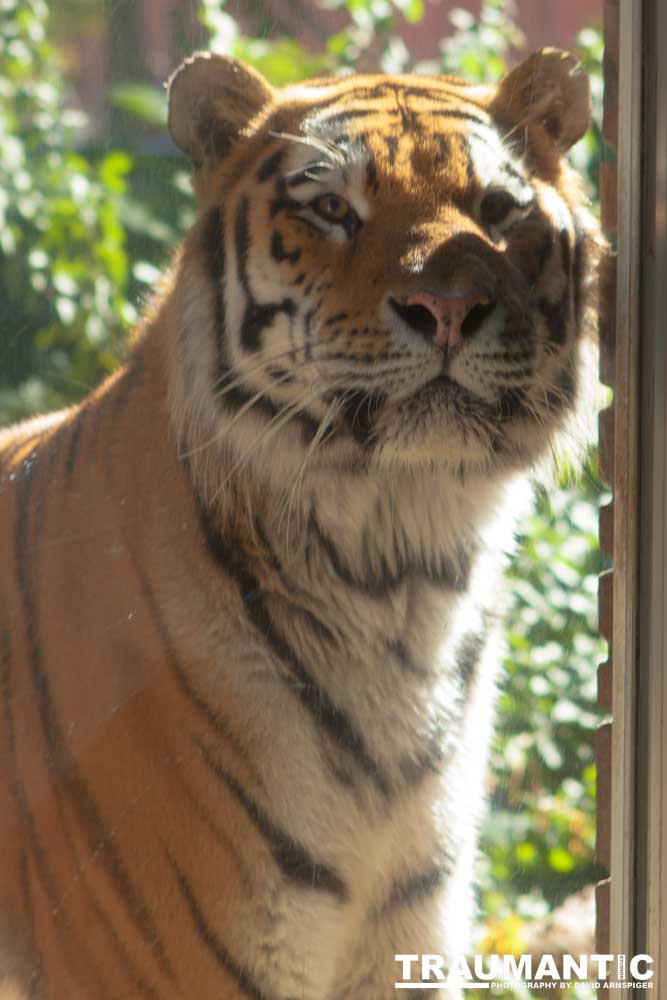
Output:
(249, 593)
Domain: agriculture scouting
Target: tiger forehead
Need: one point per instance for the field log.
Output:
(397, 97)
(390, 127)
(359, 157)
(399, 112)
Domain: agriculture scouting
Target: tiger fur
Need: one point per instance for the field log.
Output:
(249, 598)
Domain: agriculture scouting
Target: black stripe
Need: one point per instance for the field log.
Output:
(383, 90)
(10, 735)
(223, 838)
(414, 769)
(514, 374)
(80, 795)
(258, 315)
(398, 649)
(336, 318)
(208, 712)
(210, 939)
(506, 166)
(441, 573)
(565, 251)
(308, 334)
(578, 275)
(435, 93)
(345, 116)
(444, 144)
(556, 313)
(127, 963)
(111, 405)
(322, 631)
(283, 201)
(359, 408)
(271, 165)
(465, 153)
(468, 655)
(73, 949)
(508, 356)
(555, 316)
(279, 374)
(326, 714)
(512, 403)
(75, 430)
(213, 243)
(345, 97)
(292, 858)
(36, 973)
(464, 116)
(408, 116)
(212, 228)
(564, 394)
(278, 251)
(545, 251)
(391, 142)
(242, 244)
(372, 175)
(6, 668)
(413, 889)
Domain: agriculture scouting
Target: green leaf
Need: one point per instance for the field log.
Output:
(149, 103)
(561, 860)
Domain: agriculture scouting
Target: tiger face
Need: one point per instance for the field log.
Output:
(408, 265)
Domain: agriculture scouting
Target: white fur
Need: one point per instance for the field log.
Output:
(429, 487)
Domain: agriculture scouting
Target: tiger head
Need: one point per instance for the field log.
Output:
(399, 269)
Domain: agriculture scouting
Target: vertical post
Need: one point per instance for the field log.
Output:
(607, 330)
(652, 730)
(622, 906)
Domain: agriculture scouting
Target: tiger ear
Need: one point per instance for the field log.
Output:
(550, 89)
(211, 100)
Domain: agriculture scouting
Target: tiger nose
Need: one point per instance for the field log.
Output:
(446, 319)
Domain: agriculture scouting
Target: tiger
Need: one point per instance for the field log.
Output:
(250, 612)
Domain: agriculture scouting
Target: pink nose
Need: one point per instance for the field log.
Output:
(449, 314)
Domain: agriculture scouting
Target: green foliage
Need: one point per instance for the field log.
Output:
(539, 839)
(64, 266)
(142, 100)
(587, 154)
(479, 49)
(83, 233)
(282, 60)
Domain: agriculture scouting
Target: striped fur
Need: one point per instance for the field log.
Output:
(249, 599)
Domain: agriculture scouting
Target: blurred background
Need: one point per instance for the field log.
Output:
(93, 200)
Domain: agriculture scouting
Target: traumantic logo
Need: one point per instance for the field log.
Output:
(601, 972)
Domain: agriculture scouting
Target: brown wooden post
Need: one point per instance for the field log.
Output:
(608, 189)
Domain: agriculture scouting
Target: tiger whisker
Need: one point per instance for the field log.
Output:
(262, 364)
(325, 423)
(321, 145)
(298, 171)
(275, 425)
(237, 416)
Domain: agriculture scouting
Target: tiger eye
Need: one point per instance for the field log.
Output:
(495, 206)
(331, 207)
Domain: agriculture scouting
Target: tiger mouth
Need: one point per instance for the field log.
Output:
(509, 404)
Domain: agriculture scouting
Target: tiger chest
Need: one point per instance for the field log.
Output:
(370, 743)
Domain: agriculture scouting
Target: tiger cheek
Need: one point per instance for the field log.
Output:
(284, 249)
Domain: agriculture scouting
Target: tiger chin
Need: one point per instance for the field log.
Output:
(249, 600)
